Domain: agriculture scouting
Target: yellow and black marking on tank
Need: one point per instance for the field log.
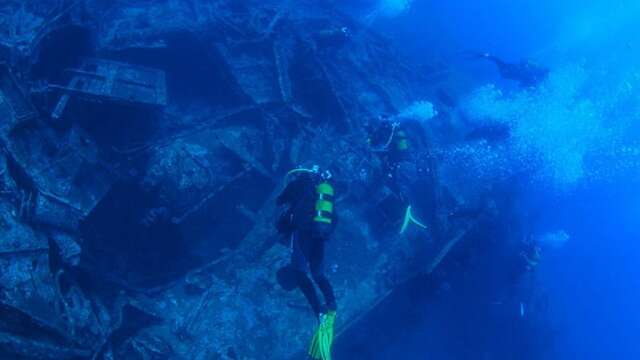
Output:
(402, 141)
(324, 204)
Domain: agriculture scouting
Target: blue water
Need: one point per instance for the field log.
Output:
(577, 137)
(593, 282)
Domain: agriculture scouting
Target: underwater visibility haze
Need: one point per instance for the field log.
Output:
(319, 179)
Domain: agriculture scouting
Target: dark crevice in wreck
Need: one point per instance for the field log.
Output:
(60, 49)
(196, 73)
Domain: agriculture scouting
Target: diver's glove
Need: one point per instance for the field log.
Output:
(322, 341)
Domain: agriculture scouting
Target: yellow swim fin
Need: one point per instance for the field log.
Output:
(322, 341)
(408, 218)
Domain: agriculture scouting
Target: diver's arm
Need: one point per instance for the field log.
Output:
(284, 195)
(290, 192)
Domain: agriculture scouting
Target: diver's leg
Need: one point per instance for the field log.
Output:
(405, 177)
(316, 263)
(298, 259)
(300, 264)
(309, 292)
(327, 290)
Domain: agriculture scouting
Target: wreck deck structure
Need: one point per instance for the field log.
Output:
(14, 105)
(115, 82)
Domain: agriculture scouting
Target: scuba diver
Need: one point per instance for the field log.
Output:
(527, 262)
(525, 73)
(332, 37)
(530, 256)
(308, 222)
(403, 172)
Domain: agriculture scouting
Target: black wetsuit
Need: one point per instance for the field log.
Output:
(408, 168)
(401, 164)
(307, 240)
(524, 73)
